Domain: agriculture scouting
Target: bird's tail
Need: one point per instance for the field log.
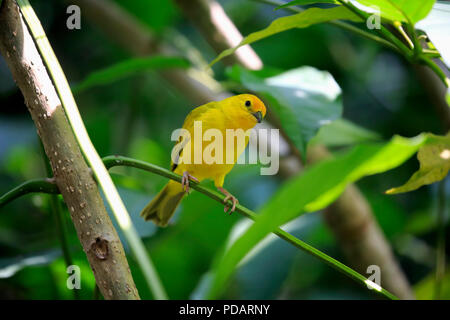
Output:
(163, 206)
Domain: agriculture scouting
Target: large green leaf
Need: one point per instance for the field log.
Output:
(396, 10)
(300, 20)
(314, 189)
(128, 68)
(437, 27)
(304, 2)
(303, 99)
(434, 158)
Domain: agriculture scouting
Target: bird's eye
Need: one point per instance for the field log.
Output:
(248, 103)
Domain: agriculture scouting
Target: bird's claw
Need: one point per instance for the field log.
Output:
(228, 196)
(185, 181)
(233, 207)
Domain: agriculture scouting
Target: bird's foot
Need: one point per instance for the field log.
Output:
(229, 196)
(185, 181)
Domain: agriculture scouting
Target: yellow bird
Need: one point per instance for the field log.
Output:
(239, 113)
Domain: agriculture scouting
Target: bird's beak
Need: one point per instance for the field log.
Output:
(258, 115)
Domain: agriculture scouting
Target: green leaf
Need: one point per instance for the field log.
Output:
(128, 68)
(300, 20)
(313, 190)
(303, 99)
(437, 27)
(434, 158)
(342, 132)
(395, 10)
(304, 2)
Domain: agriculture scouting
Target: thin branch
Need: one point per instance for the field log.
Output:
(114, 161)
(103, 178)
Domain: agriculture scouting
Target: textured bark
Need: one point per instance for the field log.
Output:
(71, 173)
(105, 12)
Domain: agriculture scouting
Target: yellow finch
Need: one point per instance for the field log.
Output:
(238, 113)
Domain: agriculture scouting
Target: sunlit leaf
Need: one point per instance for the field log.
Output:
(128, 68)
(434, 158)
(314, 189)
(303, 99)
(396, 10)
(300, 20)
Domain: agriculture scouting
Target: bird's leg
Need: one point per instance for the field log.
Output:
(185, 181)
(229, 196)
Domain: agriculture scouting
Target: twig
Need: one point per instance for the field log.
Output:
(31, 186)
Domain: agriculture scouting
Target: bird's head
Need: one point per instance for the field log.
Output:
(252, 105)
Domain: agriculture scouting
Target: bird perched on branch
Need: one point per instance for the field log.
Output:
(199, 154)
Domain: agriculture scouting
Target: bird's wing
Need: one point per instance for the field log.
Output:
(195, 115)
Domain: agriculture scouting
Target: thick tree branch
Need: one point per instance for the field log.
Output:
(123, 28)
(350, 217)
(72, 176)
